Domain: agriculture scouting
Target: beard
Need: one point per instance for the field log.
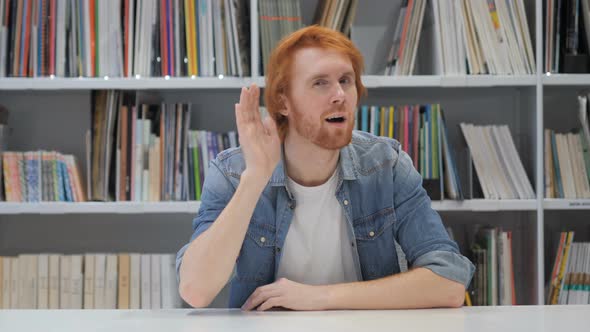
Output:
(321, 133)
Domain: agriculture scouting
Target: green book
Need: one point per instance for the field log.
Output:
(197, 171)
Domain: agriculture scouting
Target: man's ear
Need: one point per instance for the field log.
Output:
(284, 105)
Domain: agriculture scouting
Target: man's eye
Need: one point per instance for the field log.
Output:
(319, 83)
(345, 80)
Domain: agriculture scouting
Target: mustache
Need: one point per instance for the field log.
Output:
(341, 108)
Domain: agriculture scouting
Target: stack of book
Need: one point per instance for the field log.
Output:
(422, 133)
(41, 176)
(277, 19)
(567, 36)
(402, 54)
(146, 152)
(482, 37)
(89, 281)
(567, 159)
(499, 169)
(493, 282)
(570, 277)
(124, 38)
(470, 37)
(336, 14)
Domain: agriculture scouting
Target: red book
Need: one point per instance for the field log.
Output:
(27, 28)
(52, 17)
(92, 29)
(163, 38)
(509, 234)
(171, 40)
(405, 31)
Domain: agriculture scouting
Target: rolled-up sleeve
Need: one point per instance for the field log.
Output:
(419, 229)
(217, 191)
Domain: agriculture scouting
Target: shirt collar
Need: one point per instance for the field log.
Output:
(347, 163)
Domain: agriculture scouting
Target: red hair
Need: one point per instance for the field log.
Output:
(278, 70)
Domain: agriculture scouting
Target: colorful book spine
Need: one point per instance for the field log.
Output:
(66, 182)
(33, 176)
(58, 178)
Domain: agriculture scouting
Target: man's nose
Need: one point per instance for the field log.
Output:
(338, 95)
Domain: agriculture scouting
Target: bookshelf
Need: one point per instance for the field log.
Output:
(53, 208)
(42, 107)
(159, 83)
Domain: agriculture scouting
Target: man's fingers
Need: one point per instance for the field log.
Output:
(245, 104)
(255, 101)
(270, 303)
(239, 118)
(260, 295)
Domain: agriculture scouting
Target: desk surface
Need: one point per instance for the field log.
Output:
(505, 319)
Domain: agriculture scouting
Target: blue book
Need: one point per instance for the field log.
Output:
(365, 118)
(67, 182)
(32, 173)
(58, 178)
(375, 124)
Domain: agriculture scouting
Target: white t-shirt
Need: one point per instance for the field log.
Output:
(317, 250)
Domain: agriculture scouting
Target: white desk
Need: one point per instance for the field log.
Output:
(480, 319)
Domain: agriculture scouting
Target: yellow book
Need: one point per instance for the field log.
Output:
(391, 113)
(187, 28)
(194, 33)
(382, 122)
(124, 272)
(468, 299)
(570, 238)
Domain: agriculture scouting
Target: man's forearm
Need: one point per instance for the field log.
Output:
(209, 260)
(417, 288)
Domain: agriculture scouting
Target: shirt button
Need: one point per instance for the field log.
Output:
(345, 202)
(352, 244)
(291, 206)
(371, 233)
(263, 239)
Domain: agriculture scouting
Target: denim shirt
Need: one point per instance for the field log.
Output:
(385, 206)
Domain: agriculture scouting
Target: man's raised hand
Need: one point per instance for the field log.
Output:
(259, 139)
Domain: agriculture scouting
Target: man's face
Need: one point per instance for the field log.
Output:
(322, 96)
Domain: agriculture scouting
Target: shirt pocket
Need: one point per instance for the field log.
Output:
(376, 244)
(256, 259)
(373, 226)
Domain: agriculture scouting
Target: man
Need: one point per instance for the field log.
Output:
(307, 213)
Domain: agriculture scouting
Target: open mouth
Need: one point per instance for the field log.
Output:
(336, 119)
